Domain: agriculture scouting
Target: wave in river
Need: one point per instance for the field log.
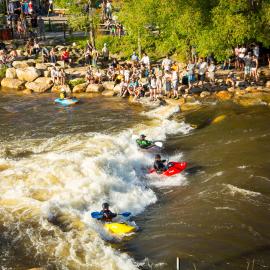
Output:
(48, 194)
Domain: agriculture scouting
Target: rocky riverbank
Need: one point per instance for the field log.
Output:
(28, 77)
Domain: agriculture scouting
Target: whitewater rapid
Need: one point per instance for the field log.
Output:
(49, 187)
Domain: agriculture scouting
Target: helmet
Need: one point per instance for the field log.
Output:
(105, 205)
(142, 136)
(157, 156)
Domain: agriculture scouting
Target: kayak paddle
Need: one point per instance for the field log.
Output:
(100, 215)
(159, 144)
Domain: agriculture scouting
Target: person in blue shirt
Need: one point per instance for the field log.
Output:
(107, 214)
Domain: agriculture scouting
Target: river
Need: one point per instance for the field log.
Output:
(57, 165)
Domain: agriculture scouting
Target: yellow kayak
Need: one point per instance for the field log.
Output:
(119, 228)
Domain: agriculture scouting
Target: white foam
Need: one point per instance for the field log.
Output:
(236, 190)
(69, 176)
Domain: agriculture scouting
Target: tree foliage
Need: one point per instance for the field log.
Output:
(212, 26)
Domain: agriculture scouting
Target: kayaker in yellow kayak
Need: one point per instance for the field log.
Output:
(107, 214)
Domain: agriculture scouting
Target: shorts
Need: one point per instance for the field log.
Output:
(201, 77)
(168, 86)
(175, 85)
(247, 70)
(191, 78)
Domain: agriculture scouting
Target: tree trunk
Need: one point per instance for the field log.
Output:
(91, 25)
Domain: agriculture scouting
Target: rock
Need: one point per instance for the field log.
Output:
(231, 90)
(224, 95)
(28, 74)
(41, 85)
(41, 67)
(108, 85)
(47, 73)
(175, 102)
(190, 106)
(240, 92)
(58, 88)
(12, 83)
(31, 62)
(20, 64)
(94, 88)
(27, 91)
(11, 73)
(205, 94)
(60, 63)
(109, 93)
(265, 97)
(241, 84)
(80, 88)
(117, 88)
(253, 99)
(190, 99)
(248, 101)
(267, 85)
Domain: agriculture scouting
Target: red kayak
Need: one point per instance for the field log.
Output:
(173, 168)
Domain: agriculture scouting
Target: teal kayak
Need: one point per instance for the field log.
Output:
(66, 101)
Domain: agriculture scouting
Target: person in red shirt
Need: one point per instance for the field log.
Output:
(65, 56)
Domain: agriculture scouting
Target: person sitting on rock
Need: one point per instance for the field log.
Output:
(62, 76)
(54, 75)
(65, 56)
(231, 80)
(89, 76)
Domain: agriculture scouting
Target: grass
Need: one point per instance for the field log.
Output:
(3, 72)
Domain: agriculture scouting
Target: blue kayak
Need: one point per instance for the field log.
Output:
(66, 101)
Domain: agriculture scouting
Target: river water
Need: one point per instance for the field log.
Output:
(57, 165)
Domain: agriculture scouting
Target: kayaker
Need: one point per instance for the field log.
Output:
(142, 142)
(63, 93)
(108, 215)
(159, 165)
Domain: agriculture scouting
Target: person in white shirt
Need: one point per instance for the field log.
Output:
(202, 67)
(105, 52)
(211, 72)
(175, 83)
(166, 63)
(145, 60)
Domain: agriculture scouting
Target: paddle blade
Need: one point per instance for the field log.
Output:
(96, 215)
(159, 144)
(126, 214)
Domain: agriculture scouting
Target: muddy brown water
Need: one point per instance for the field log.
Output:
(218, 220)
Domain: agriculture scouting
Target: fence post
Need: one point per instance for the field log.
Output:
(50, 26)
(177, 263)
(64, 27)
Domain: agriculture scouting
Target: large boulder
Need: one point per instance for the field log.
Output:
(109, 93)
(108, 85)
(117, 89)
(12, 83)
(80, 88)
(253, 99)
(205, 94)
(28, 74)
(190, 106)
(20, 64)
(267, 84)
(94, 88)
(41, 67)
(224, 95)
(11, 73)
(40, 85)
